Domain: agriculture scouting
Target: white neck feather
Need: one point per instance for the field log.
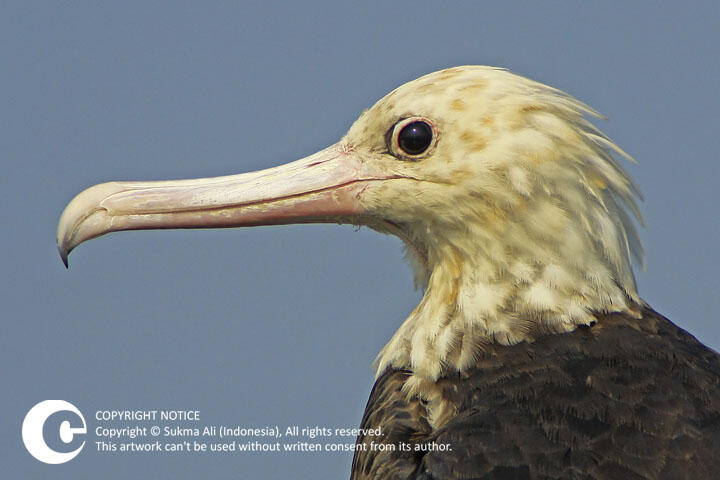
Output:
(471, 301)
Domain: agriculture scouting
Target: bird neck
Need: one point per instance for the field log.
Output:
(495, 293)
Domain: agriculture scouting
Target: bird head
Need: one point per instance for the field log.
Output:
(512, 205)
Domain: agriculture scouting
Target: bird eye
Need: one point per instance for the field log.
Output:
(413, 136)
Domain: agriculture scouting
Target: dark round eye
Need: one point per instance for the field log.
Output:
(415, 137)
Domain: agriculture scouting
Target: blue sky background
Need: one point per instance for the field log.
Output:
(280, 325)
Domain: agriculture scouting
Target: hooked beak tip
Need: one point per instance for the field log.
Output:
(64, 256)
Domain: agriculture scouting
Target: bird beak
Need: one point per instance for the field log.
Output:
(324, 187)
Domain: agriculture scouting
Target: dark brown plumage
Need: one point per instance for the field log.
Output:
(625, 398)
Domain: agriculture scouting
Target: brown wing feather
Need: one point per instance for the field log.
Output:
(398, 419)
(626, 398)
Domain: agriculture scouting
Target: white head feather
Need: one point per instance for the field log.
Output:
(515, 218)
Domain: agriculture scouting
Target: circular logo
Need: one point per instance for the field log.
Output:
(33, 426)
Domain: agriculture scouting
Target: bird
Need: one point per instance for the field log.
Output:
(531, 354)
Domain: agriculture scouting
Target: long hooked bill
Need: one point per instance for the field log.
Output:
(323, 187)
